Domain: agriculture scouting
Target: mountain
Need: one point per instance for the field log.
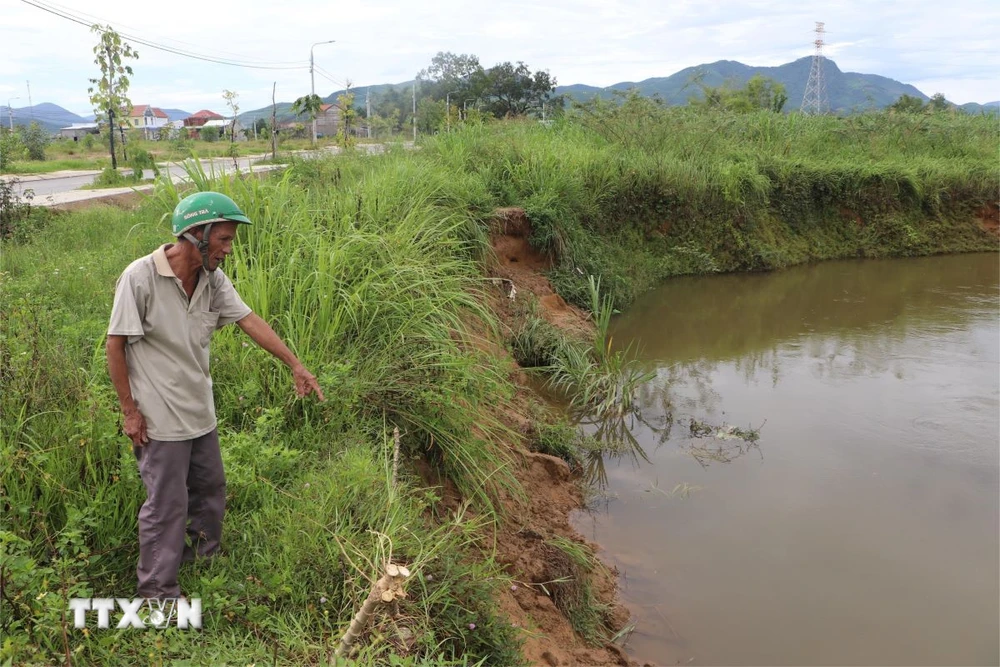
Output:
(176, 114)
(284, 114)
(50, 116)
(846, 91)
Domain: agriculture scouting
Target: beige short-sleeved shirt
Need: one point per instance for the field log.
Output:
(168, 338)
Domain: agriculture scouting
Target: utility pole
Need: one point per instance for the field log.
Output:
(368, 110)
(312, 76)
(274, 125)
(414, 112)
(10, 112)
(814, 100)
(31, 107)
(447, 109)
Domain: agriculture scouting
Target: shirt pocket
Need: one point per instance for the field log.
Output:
(206, 326)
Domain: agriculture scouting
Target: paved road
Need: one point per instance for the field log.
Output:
(64, 182)
(44, 185)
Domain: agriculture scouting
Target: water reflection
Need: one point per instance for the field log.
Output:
(875, 515)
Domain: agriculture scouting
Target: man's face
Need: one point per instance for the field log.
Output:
(220, 243)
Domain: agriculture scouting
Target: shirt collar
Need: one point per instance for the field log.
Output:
(161, 261)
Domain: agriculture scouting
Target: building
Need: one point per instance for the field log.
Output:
(200, 118)
(328, 120)
(77, 130)
(148, 119)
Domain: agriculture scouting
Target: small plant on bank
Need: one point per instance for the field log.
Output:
(34, 139)
(16, 213)
(11, 149)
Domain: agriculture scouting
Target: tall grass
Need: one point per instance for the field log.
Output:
(638, 192)
(372, 280)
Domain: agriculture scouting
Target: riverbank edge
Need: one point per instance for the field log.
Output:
(519, 265)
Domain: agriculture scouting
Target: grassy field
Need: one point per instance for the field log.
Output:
(371, 268)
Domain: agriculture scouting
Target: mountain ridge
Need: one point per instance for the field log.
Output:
(847, 91)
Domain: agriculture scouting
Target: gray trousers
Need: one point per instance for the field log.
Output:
(185, 495)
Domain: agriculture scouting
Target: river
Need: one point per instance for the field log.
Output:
(862, 527)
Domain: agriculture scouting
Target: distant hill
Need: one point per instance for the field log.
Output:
(49, 116)
(176, 114)
(283, 109)
(846, 91)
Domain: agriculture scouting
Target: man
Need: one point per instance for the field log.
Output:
(167, 305)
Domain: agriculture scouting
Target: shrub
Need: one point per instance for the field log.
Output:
(34, 139)
(210, 133)
(11, 149)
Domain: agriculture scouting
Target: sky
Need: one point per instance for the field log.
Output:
(949, 47)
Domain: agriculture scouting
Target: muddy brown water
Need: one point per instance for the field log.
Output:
(862, 527)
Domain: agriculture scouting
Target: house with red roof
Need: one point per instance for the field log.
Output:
(200, 118)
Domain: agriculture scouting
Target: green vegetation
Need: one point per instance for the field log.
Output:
(637, 192)
(109, 92)
(371, 267)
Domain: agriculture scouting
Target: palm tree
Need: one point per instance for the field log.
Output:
(311, 105)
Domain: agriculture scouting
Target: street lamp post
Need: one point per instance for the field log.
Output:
(10, 112)
(447, 109)
(312, 76)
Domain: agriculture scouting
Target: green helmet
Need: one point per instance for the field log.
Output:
(203, 208)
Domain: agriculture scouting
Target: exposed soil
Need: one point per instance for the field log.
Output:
(989, 218)
(519, 265)
(522, 546)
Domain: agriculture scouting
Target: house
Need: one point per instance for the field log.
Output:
(200, 118)
(146, 118)
(77, 130)
(328, 120)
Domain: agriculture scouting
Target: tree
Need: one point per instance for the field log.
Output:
(450, 68)
(759, 94)
(209, 133)
(907, 104)
(34, 139)
(310, 105)
(234, 106)
(345, 102)
(937, 103)
(109, 93)
(511, 90)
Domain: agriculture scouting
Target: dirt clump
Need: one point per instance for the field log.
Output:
(989, 218)
(518, 268)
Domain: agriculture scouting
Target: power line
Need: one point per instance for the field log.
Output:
(161, 47)
(97, 19)
(329, 77)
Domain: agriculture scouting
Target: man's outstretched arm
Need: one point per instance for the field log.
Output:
(263, 335)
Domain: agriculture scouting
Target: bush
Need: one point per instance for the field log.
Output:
(34, 139)
(210, 133)
(11, 149)
(88, 142)
(16, 214)
(142, 159)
